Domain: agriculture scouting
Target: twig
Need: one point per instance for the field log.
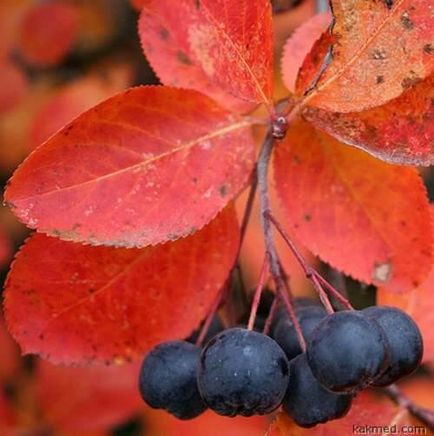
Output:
(423, 414)
(271, 252)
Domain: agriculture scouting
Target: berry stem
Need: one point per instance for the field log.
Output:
(317, 280)
(335, 293)
(271, 251)
(271, 315)
(258, 293)
(212, 311)
(425, 415)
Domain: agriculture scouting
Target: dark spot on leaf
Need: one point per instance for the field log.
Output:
(379, 79)
(406, 22)
(223, 190)
(41, 336)
(183, 58)
(197, 4)
(307, 217)
(194, 180)
(428, 48)
(164, 33)
(378, 54)
(408, 82)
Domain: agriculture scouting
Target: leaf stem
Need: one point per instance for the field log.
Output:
(271, 251)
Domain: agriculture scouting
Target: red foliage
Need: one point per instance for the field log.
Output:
(223, 54)
(105, 304)
(363, 216)
(145, 175)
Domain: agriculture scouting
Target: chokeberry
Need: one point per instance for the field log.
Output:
(405, 342)
(242, 372)
(300, 303)
(285, 335)
(168, 379)
(347, 351)
(306, 401)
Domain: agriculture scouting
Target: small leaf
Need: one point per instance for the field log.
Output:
(401, 131)
(391, 40)
(299, 44)
(222, 48)
(363, 216)
(75, 304)
(83, 399)
(47, 33)
(149, 165)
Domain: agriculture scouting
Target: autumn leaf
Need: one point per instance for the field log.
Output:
(367, 218)
(401, 131)
(222, 48)
(299, 44)
(14, 85)
(367, 409)
(380, 49)
(149, 165)
(84, 399)
(47, 33)
(75, 304)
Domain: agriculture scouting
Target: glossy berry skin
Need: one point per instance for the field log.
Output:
(347, 351)
(168, 379)
(405, 342)
(306, 401)
(284, 333)
(242, 372)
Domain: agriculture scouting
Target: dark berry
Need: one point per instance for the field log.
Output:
(168, 379)
(215, 327)
(306, 401)
(285, 335)
(299, 304)
(405, 342)
(346, 351)
(242, 372)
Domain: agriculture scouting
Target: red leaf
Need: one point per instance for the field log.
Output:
(222, 48)
(401, 131)
(76, 304)
(299, 44)
(149, 165)
(363, 216)
(380, 50)
(367, 410)
(47, 33)
(14, 85)
(84, 399)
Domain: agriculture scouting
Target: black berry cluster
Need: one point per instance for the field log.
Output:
(243, 372)
(346, 352)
